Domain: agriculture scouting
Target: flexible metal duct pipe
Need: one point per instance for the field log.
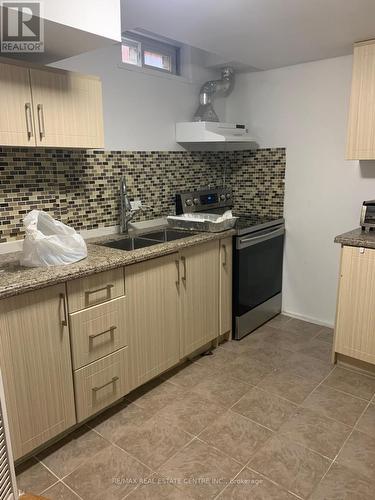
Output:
(223, 87)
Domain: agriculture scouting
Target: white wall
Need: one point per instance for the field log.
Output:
(304, 108)
(140, 107)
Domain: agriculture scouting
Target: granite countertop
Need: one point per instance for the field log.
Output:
(16, 279)
(357, 238)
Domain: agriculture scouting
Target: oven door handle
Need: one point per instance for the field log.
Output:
(253, 240)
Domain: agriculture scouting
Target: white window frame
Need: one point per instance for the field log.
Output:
(152, 45)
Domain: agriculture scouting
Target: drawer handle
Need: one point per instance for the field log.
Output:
(111, 330)
(113, 381)
(107, 288)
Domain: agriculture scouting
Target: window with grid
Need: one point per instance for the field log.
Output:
(149, 53)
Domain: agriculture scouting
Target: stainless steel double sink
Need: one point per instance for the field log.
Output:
(147, 239)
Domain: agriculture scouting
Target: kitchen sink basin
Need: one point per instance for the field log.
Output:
(147, 240)
(168, 235)
(130, 243)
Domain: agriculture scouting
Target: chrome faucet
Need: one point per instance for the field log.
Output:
(126, 212)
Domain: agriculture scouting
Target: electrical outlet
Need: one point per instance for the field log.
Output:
(136, 204)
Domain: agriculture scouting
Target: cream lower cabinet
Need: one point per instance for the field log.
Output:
(123, 332)
(225, 286)
(152, 315)
(36, 366)
(172, 308)
(199, 297)
(355, 321)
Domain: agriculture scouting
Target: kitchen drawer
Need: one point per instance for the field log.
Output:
(97, 332)
(101, 383)
(95, 289)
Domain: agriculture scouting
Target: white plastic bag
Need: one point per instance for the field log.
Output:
(49, 242)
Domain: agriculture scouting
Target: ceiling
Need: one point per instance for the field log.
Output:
(264, 34)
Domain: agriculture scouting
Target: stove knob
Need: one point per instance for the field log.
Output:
(228, 196)
(222, 197)
(189, 202)
(196, 201)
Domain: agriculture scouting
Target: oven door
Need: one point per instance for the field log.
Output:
(258, 268)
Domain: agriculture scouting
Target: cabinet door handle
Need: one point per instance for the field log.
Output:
(98, 388)
(64, 321)
(224, 247)
(29, 121)
(183, 260)
(110, 330)
(42, 130)
(178, 271)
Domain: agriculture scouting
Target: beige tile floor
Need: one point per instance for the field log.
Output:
(265, 418)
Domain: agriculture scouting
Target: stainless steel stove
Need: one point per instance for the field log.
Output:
(258, 248)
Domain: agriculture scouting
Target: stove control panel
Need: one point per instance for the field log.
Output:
(204, 200)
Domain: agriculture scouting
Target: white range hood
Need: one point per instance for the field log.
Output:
(214, 136)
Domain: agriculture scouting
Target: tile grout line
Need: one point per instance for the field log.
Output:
(49, 470)
(318, 385)
(51, 486)
(112, 443)
(193, 437)
(298, 406)
(274, 482)
(277, 396)
(341, 448)
(177, 451)
(73, 470)
(292, 441)
(348, 393)
(274, 433)
(220, 451)
(230, 482)
(71, 489)
(91, 458)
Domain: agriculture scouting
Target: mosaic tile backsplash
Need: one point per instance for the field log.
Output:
(81, 188)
